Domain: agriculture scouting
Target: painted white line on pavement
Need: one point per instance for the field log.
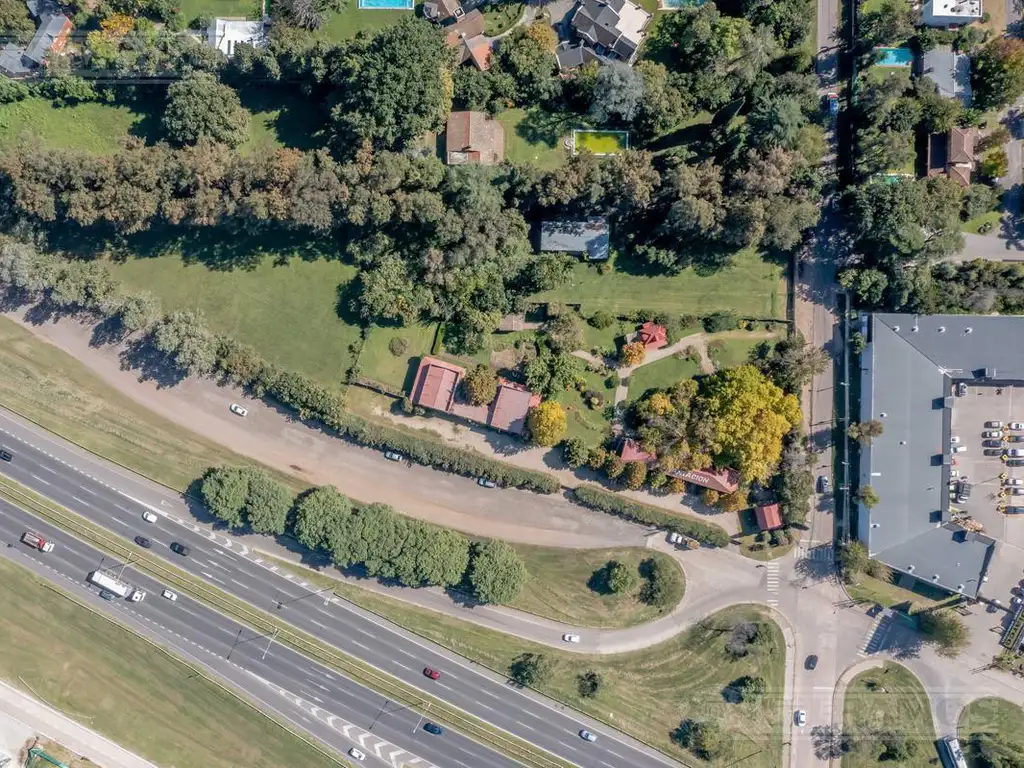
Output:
(39, 479)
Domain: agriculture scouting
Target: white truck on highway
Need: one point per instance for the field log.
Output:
(116, 586)
(37, 541)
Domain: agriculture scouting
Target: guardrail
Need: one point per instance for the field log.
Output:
(243, 612)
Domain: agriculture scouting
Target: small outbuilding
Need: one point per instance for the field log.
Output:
(768, 517)
(225, 34)
(587, 237)
(652, 336)
(474, 138)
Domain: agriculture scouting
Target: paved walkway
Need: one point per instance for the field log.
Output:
(24, 717)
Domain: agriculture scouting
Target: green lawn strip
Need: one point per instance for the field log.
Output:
(95, 127)
(92, 668)
(647, 693)
(286, 312)
(351, 20)
(499, 17)
(890, 698)
(536, 137)
(568, 586)
(378, 363)
(661, 375)
(868, 589)
(992, 219)
(730, 352)
(54, 390)
(990, 715)
(210, 9)
(751, 287)
(267, 624)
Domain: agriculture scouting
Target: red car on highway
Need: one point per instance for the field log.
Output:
(433, 674)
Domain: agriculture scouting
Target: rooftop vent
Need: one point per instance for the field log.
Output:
(903, 442)
(942, 329)
(883, 414)
(968, 329)
(935, 577)
(959, 587)
(874, 525)
(896, 328)
(915, 329)
(910, 568)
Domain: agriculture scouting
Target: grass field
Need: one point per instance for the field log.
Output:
(887, 594)
(396, 371)
(534, 137)
(592, 424)
(569, 586)
(78, 662)
(55, 390)
(991, 715)
(992, 218)
(660, 375)
(347, 23)
(751, 287)
(648, 693)
(730, 351)
(192, 9)
(62, 753)
(600, 142)
(890, 698)
(288, 313)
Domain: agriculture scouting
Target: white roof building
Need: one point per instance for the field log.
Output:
(947, 13)
(225, 34)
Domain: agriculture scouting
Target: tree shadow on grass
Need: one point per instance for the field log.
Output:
(547, 128)
(298, 124)
(600, 580)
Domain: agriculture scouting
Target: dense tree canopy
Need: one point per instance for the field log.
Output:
(497, 572)
(997, 73)
(199, 107)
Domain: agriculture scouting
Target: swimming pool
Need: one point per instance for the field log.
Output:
(675, 5)
(387, 5)
(895, 57)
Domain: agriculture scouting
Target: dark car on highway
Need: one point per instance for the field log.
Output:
(180, 549)
(143, 542)
(6, 455)
(811, 662)
(108, 595)
(433, 728)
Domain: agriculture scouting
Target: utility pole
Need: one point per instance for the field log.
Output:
(269, 643)
(235, 644)
(422, 715)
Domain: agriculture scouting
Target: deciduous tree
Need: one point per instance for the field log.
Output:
(946, 629)
(267, 504)
(321, 514)
(530, 669)
(200, 107)
(184, 338)
(618, 93)
(632, 353)
(481, 384)
(997, 73)
(547, 423)
(496, 572)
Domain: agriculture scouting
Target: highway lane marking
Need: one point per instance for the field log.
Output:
(39, 479)
(211, 577)
(322, 626)
(90, 491)
(85, 503)
(480, 704)
(119, 522)
(243, 586)
(215, 564)
(524, 725)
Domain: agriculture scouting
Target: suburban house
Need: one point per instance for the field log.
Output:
(443, 11)
(950, 71)
(588, 237)
(909, 370)
(721, 480)
(468, 38)
(474, 138)
(51, 37)
(652, 336)
(952, 154)
(951, 13)
(610, 30)
(226, 33)
(436, 386)
(768, 517)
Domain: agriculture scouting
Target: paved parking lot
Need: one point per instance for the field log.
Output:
(979, 405)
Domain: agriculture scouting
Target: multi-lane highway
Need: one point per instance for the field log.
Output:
(70, 478)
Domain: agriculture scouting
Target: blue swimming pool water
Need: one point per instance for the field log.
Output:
(677, 4)
(895, 57)
(390, 5)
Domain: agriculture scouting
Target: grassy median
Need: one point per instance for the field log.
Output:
(125, 688)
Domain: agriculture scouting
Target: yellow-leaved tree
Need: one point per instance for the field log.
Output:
(547, 423)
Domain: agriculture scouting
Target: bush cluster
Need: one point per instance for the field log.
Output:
(373, 536)
(706, 533)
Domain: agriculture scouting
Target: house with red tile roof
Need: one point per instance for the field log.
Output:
(631, 451)
(510, 407)
(768, 517)
(652, 336)
(435, 384)
(721, 480)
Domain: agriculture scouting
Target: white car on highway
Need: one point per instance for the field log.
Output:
(570, 638)
(149, 517)
(356, 754)
(238, 410)
(172, 596)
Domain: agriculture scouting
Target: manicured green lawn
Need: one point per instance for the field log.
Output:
(592, 424)
(990, 715)
(287, 312)
(499, 17)
(884, 593)
(377, 362)
(210, 9)
(890, 698)
(281, 118)
(601, 142)
(535, 137)
(53, 389)
(992, 218)
(660, 375)
(345, 24)
(730, 351)
(93, 670)
(97, 128)
(750, 286)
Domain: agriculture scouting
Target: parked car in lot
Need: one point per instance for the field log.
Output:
(568, 637)
(393, 456)
(823, 484)
(993, 451)
(811, 662)
(239, 410)
(1015, 438)
(992, 443)
(993, 425)
(587, 735)
(1015, 425)
(1015, 462)
(1017, 491)
(801, 718)
(1013, 481)
(433, 728)
(992, 433)
(1015, 452)
(483, 482)
(959, 449)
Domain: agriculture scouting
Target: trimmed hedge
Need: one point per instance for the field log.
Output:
(706, 533)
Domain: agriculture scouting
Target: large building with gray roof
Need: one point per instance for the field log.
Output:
(909, 369)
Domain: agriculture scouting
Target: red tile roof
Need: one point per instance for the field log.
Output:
(511, 406)
(631, 451)
(653, 336)
(768, 517)
(721, 480)
(436, 382)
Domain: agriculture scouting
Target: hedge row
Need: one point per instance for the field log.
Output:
(706, 533)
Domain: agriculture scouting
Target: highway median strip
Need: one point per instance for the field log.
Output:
(259, 621)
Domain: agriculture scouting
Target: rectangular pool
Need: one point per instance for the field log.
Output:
(387, 5)
(675, 5)
(895, 57)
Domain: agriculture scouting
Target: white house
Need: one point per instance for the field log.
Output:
(225, 34)
(948, 13)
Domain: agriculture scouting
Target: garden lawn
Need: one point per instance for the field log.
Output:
(871, 590)
(396, 372)
(570, 586)
(211, 9)
(95, 128)
(347, 23)
(499, 17)
(534, 137)
(287, 312)
(591, 424)
(991, 715)
(734, 348)
(897, 702)
(751, 287)
(660, 375)
(78, 661)
(992, 219)
(53, 389)
(646, 694)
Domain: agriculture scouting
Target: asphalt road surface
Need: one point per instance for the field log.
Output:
(341, 624)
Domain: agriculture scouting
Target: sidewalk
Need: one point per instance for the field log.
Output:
(22, 717)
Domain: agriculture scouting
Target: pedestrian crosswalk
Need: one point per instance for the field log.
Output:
(824, 553)
(874, 636)
(772, 584)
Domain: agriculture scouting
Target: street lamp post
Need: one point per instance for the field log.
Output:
(282, 603)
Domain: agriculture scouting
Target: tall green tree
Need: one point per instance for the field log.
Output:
(224, 491)
(198, 107)
(997, 73)
(184, 338)
(320, 515)
(267, 504)
(497, 573)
